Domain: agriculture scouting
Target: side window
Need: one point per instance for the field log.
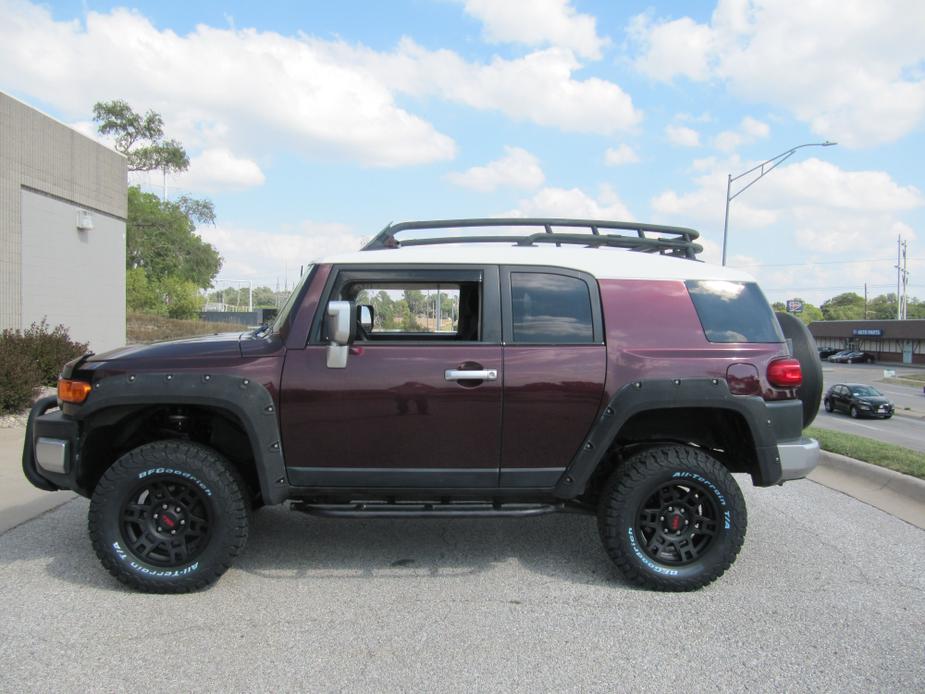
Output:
(549, 308)
(408, 307)
(411, 308)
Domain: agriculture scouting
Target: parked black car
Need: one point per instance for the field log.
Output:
(826, 352)
(852, 357)
(858, 400)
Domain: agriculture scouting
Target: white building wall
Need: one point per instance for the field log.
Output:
(40, 157)
(69, 276)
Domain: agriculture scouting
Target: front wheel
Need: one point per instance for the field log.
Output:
(169, 517)
(828, 405)
(672, 518)
(854, 412)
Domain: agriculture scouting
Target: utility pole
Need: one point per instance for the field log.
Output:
(902, 278)
(164, 196)
(865, 301)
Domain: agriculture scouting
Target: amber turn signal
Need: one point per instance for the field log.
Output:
(73, 391)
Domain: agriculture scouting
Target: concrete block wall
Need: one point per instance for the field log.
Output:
(56, 171)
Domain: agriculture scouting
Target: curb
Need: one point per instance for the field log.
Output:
(899, 495)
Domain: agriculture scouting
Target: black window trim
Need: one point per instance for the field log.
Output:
(507, 304)
(486, 275)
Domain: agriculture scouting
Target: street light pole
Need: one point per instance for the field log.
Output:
(774, 163)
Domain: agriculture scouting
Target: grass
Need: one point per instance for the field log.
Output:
(142, 328)
(885, 455)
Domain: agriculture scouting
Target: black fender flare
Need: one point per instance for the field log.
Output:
(768, 423)
(248, 401)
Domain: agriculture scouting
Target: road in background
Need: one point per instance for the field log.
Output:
(907, 428)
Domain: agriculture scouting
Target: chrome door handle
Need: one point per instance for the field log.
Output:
(464, 375)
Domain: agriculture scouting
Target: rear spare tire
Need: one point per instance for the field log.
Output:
(805, 352)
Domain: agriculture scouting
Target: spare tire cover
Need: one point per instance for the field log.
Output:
(804, 351)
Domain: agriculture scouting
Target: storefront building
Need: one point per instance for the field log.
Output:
(897, 341)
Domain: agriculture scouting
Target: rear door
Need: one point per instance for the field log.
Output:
(405, 412)
(554, 368)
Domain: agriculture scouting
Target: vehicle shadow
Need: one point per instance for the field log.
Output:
(285, 545)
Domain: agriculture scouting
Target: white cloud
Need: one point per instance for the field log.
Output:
(574, 203)
(538, 87)
(682, 136)
(618, 156)
(219, 169)
(828, 209)
(516, 169)
(750, 129)
(672, 48)
(265, 256)
(852, 71)
(214, 87)
(538, 23)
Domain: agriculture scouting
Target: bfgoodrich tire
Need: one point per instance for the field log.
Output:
(169, 517)
(672, 518)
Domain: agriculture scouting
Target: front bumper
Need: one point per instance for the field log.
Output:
(798, 458)
(49, 446)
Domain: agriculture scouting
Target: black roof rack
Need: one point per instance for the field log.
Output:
(649, 238)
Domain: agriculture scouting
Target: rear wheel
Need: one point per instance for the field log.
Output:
(672, 518)
(169, 517)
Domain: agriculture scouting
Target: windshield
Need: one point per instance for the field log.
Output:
(864, 391)
(284, 312)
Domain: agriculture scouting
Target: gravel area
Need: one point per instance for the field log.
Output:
(18, 419)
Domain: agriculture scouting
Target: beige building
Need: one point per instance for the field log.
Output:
(62, 228)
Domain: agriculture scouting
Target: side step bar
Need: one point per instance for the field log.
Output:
(382, 509)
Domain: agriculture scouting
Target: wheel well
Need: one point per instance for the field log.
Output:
(113, 432)
(723, 433)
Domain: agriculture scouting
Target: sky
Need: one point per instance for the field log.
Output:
(311, 125)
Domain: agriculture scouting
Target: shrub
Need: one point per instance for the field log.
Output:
(19, 374)
(48, 350)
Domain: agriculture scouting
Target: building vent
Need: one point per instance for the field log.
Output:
(84, 220)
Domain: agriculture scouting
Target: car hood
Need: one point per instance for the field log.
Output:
(218, 345)
(871, 400)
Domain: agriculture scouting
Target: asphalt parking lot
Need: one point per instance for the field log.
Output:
(827, 595)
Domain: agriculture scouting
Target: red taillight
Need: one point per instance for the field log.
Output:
(785, 373)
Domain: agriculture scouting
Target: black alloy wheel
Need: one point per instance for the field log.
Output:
(854, 412)
(828, 405)
(678, 522)
(166, 522)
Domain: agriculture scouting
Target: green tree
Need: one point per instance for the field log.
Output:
(882, 307)
(847, 306)
(181, 298)
(140, 137)
(140, 294)
(161, 239)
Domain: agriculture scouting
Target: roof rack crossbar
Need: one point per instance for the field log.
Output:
(674, 241)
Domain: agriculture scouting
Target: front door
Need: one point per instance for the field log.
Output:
(404, 412)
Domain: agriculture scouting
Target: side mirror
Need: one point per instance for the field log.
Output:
(367, 315)
(340, 328)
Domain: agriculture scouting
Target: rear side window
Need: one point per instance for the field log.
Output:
(733, 311)
(550, 309)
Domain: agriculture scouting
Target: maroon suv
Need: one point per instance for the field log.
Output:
(461, 368)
